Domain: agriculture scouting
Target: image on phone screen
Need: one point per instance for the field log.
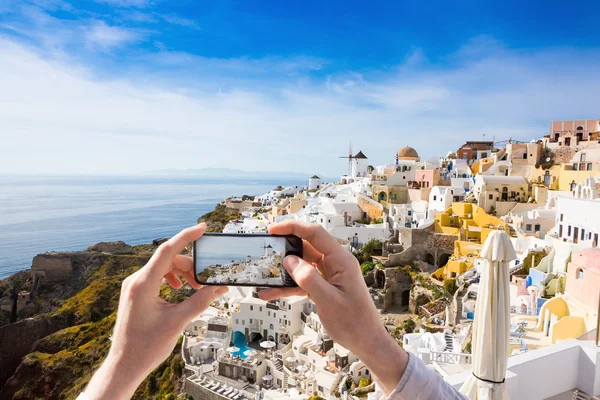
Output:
(244, 260)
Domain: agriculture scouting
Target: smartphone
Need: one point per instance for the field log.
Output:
(244, 259)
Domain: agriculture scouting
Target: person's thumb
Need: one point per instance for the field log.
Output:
(200, 301)
(308, 278)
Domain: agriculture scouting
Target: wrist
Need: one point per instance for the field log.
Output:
(117, 378)
(385, 359)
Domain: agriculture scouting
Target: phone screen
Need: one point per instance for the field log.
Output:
(244, 260)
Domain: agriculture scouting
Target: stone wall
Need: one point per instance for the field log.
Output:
(563, 155)
(432, 250)
(370, 207)
(51, 266)
(397, 288)
(419, 296)
(18, 339)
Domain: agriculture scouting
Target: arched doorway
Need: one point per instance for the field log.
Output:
(443, 259)
(429, 259)
(382, 196)
(504, 193)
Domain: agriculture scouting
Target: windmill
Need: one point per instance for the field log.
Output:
(350, 157)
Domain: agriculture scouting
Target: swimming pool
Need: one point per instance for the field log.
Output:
(239, 341)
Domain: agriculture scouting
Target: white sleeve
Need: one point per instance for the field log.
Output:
(82, 396)
(422, 383)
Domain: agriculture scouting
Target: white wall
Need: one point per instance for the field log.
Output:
(549, 371)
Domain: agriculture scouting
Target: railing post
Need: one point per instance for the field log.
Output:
(598, 325)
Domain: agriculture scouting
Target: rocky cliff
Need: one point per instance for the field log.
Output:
(53, 354)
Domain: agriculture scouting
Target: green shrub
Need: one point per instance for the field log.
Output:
(364, 381)
(450, 286)
(366, 267)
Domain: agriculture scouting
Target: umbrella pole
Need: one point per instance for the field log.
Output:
(598, 325)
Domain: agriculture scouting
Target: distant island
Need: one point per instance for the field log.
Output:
(227, 172)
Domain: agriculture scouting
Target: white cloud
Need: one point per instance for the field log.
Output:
(181, 21)
(107, 37)
(128, 3)
(56, 117)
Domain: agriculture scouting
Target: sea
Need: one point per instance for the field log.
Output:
(61, 213)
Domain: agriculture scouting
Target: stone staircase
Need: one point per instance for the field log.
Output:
(579, 395)
(459, 306)
(449, 341)
(278, 364)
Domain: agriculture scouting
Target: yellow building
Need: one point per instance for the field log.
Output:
(472, 225)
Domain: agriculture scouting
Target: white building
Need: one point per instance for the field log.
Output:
(442, 197)
(532, 222)
(261, 320)
(247, 225)
(360, 165)
(500, 193)
(314, 183)
(577, 218)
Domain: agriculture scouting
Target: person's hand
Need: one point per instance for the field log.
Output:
(331, 276)
(147, 327)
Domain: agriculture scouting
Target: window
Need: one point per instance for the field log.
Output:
(269, 313)
(237, 321)
(289, 307)
(582, 157)
(589, 166)
(393, 196)
(359, 373)
(260, 309)
(491, 197)
(583, 234)
(261, 321)
(409, 213)
(538, 227)
(553, 179)
(250, 320)
(561, 217)
(528, 227)
(524, 156)
(434, 198)
(579, 273)
(484, 155)
(251, 308)
(243, 322)
(569, 231)
(271, 327)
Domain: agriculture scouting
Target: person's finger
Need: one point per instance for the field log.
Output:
(173, 280)
(315, 234)
(162, 260)
(199, 301)
(309, 253)
(184, 266)
(183, 263)
(189, 277)
(275, 293)
(309, 279)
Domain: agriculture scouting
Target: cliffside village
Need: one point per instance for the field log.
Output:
(423, 223)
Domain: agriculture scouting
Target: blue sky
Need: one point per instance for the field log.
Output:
(123, 86)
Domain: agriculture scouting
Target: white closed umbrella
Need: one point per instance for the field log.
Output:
(491, 328)
(267, 344)
(233, 349)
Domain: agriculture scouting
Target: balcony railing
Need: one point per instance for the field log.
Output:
(451, 358)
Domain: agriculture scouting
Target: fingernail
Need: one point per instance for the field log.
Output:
(221, 291)
(291, 263)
